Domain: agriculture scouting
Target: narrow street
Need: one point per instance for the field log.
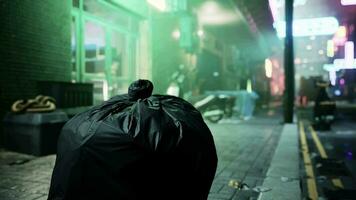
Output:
(268, 77)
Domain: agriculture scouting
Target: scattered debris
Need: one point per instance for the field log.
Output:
(239, 185)
(230, 121)
(13, 187)
(288, 179)
(313, 155)
(261, 189)
(318, 165)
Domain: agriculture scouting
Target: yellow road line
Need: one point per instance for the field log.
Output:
(318, 143)
(311, 184)
(336, 181)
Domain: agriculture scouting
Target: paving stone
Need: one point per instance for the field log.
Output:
(281, 190)
(220, 196)
(248, 160)
(246, 195)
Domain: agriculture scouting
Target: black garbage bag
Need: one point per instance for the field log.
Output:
(135, 146)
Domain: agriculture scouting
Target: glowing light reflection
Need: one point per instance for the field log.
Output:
(268, 68)
(159, 4)
(348, 2)
(330, 48)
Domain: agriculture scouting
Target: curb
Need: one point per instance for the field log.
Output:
(283, 174)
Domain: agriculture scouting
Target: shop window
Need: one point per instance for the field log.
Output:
(94, 47)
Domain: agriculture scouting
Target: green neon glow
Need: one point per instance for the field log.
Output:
(249, 86)
(161, 5)
(309, 27)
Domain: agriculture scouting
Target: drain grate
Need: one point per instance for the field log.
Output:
(331, 167)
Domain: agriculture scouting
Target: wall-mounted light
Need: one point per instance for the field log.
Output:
(200, 33)
(213, 13)
(176, 34)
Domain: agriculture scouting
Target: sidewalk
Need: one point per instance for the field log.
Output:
(245, 151)
(24, 177)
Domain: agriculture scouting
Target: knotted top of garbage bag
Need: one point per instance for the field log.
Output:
(140, 89)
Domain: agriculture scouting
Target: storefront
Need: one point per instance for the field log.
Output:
(106, 46)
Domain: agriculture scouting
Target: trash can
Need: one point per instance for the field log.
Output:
(33, 133)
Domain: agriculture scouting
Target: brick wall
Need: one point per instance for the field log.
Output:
(34, 45)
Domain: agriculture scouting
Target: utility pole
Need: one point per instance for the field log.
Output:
(289, 64)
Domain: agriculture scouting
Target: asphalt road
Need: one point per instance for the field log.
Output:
(333, 157)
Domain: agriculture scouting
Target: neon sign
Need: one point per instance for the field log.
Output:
(330, 48)
(340, 36)
(349, 62)
(348, 2)
(309, 27)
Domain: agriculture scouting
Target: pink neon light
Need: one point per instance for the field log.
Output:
(340, 36)
(274, 9)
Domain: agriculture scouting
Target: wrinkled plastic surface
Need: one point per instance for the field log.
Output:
(155, 148)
